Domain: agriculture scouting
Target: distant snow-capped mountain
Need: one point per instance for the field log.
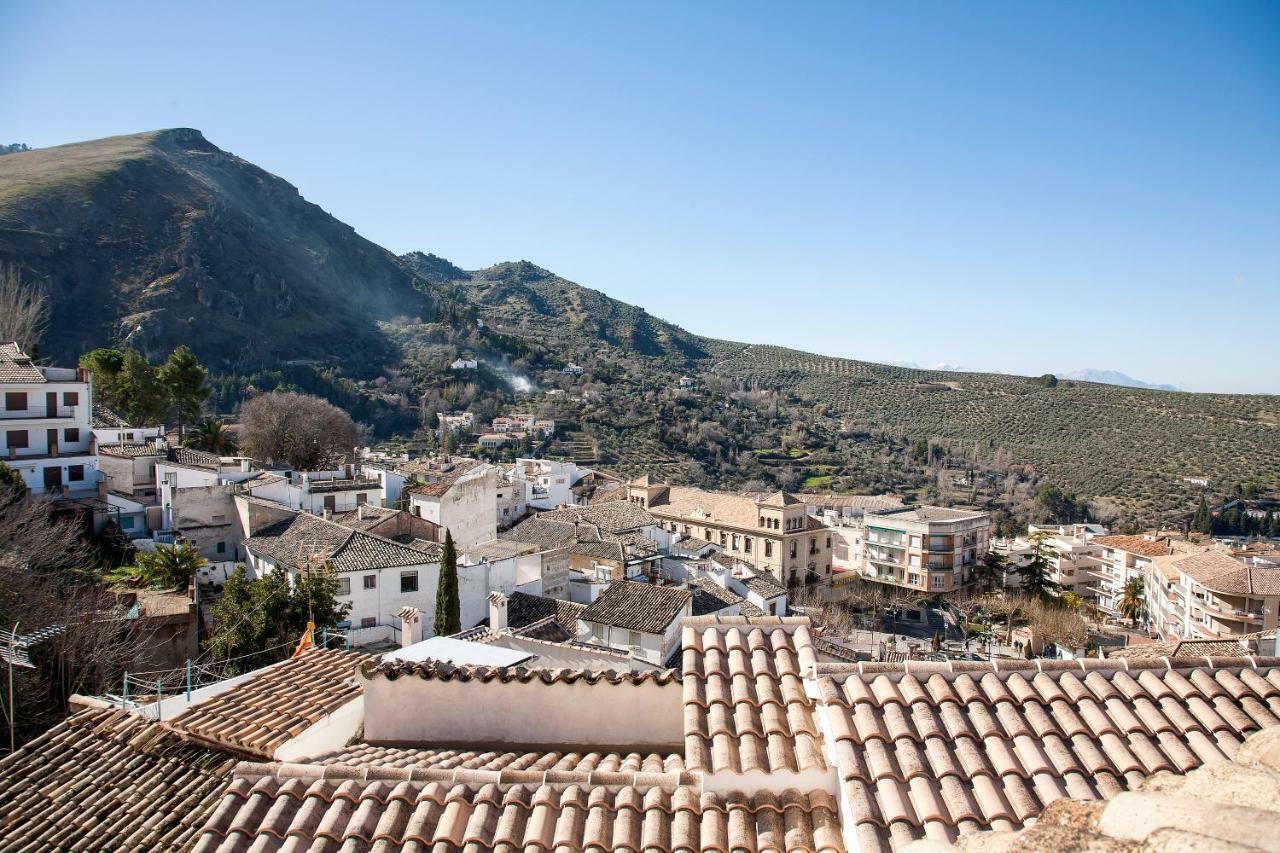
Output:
(1113, 377)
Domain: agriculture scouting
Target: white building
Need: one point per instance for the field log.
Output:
(1123, 559)
(110, 427)
(46, 425)
(464, 364)
(547, 484)
(1073, 556)
(1212, 595)
(318, 492)
(642, 619)
(460, 496)
(571, 369)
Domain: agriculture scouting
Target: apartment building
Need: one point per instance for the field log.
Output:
(1211, 595)
(1122, 559)
(46, 425)
(924, 548)
(1072, 552)
(774, 534)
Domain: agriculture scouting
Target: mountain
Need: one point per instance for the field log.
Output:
(1112, 377)
(162, 238)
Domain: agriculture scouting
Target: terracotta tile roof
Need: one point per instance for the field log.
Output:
(1134, 544)
(258, 715)
(108, 780)
(524, 609)
(1181, 649)
(131, 450)
(304, 537)
(939, 750)
(195, 458)
(365, 754)
(445, 671)
(687, 503)
(268, 808)
(105, 417)
(1229, 806)
(16, 365)
(611, 517)
(745, 706)
(709, 597)
(869, 503)
(1225, 574)
(764, 585)
(439, 482)
(637, 606)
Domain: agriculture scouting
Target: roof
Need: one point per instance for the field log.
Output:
(524, 609)
(1181, 649)
(1225, 574)
(687, 503)
(1134, 544)
(637, 606)
(764, 585)
(871, 503)
(780, 499)
(296, 540)
(947, 749)
(923, 513)
(1231, 805)
(342, 484)
(132, 450)
(108, 780)
(364, 754)
(105, 417)
(710, 597)
(16, 365)
(195, 458)
(266, 807)
(438, 481)
(366, 516)
(434, 670)
(745, 706)
(258, 715)
(610, 517)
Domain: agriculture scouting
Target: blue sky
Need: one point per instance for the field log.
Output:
(1025, 187)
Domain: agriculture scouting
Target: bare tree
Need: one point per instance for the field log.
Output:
(302, 431)
(24, 308)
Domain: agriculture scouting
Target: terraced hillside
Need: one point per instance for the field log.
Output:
(1100, 440)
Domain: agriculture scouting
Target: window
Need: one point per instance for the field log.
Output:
(221, 548)
(75, 473)
(330, 503)
(746, 544)
(71, 434)
(408, 581)
(126, 522)
(370, 581)
(369, 622)
(633, 638)
(813, 545)
(70, 398)
(15, 401)
(16, 438)
(761, 524)
(362, 498)
(915, 540)
(768, 548)
(344, 586)
(793, 549)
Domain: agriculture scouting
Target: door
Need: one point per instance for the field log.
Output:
(52, 435)
(51, 405)
(53, 479)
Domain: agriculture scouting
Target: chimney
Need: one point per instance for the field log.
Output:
(246, 465)
(497, 611)
(410, 626)
(328, 514)
(360, 512)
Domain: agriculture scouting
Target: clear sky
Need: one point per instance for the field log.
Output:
(1025, 187)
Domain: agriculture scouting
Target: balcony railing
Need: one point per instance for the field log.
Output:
(31, 413)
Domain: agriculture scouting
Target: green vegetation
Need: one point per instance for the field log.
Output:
(448, 618)
(168, 567)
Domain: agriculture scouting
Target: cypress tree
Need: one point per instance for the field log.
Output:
(1203, 522)
(448, 611)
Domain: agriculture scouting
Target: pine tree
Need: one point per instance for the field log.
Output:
(1203, 521)
(448, 611)
(142, 398)
(1034, 572)
(184, 378)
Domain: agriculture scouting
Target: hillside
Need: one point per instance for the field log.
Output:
(162, 238)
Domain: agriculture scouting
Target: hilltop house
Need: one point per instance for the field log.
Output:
(463, 364)
(46, 425)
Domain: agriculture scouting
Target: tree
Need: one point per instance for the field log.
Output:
(989, 573)
(448, 611)
(168, 566)
(1133, 601)
(299, 430)
(104, 368)
(12, 486)
(24, 309)
(1203, 520)
(212, 436)
(1034, 572)
(184, 378)
(140, 395)
(258, 621)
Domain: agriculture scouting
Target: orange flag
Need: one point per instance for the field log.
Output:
(308, 640)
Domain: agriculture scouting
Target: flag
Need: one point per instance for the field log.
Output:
(308, 640)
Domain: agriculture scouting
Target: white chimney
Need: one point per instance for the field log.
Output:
(497, 611)
(328, 514)
(410, 626)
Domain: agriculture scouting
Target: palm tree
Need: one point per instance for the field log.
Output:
(168, 566)
(1132, 602)
(213, 436)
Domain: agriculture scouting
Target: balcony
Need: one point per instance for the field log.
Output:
(41, 413)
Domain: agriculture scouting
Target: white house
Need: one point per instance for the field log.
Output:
(110, 427)
(548, 484)
(461, 497)
(571, 369)
(463, 364)
(196, 495)
(641, 619)
(318, 492)
(46, 425)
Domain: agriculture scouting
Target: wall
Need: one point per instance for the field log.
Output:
(530, 715)
(206, 515)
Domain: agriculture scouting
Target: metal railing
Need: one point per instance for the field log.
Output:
(40, 413)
